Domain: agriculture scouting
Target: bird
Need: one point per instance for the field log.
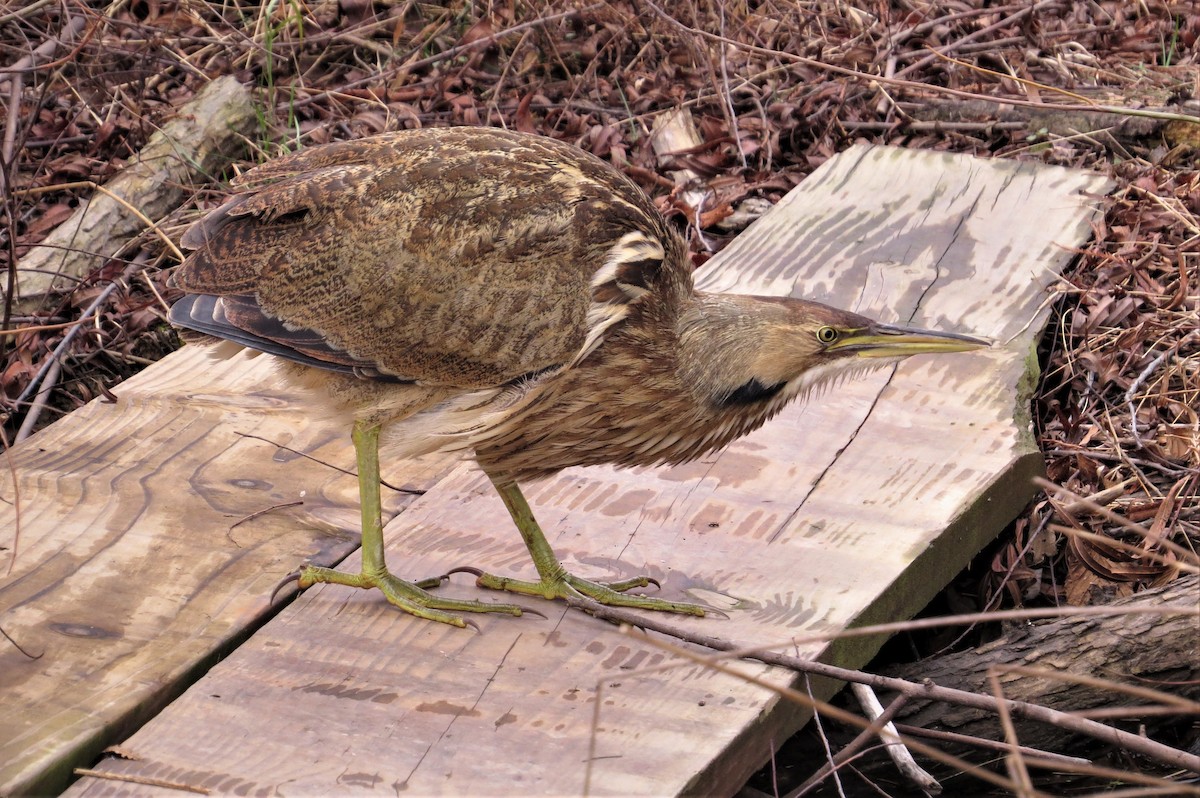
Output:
(511, 298)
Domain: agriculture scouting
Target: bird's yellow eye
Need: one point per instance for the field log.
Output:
(827, 335)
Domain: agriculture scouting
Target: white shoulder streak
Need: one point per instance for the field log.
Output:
(630, 248)
(463, 421)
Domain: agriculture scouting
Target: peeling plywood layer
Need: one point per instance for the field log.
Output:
(860, 504)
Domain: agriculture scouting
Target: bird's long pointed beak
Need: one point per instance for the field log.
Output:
(887, 340)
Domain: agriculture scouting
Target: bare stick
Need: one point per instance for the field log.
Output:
(891, 740)
(852, 747)
(837, 779)
(132, 779)
(70, 336)
(46, 49)
(988, 745)
(39, 401)
(1012, 759)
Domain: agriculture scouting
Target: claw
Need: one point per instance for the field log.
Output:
(294, 576)
(464, 569)
(532, 611)
(431, 582)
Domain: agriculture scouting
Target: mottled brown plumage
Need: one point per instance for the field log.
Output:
(507, 296)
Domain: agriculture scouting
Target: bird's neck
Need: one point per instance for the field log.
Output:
(720, 341)
(721, 387)
(673, 382)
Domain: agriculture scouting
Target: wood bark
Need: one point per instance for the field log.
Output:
(1142, 649)
(1122, 127)
(191, 147)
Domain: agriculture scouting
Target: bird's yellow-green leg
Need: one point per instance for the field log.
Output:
(404, 595)
(555, 581)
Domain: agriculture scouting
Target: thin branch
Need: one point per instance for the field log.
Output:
(1012, 757)
(928, 690)
(987, 745)
(39, 401)
(850, 749)
(91, 309)
(894, 746)
(923, 87)
(130, 778)
(433, 59)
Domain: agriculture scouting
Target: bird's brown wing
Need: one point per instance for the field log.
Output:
(238, 318)
(460, 257)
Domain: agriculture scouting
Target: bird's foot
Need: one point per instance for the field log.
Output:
(568, 585)
(411, 598)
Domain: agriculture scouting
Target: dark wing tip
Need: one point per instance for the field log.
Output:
(207, 314)
(204, 313)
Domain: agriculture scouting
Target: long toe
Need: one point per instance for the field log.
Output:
(571, 586)
(614, 595)
(406, 595)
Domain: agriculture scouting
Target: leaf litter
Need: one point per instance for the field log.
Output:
(774, 89)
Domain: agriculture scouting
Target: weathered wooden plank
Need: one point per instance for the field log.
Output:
(858, 505)
(128, 578)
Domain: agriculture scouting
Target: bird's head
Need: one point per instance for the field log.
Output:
(745, 350)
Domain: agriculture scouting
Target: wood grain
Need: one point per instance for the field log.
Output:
(859, 505)
(130, 578)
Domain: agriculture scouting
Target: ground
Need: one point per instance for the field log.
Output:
(774, 89)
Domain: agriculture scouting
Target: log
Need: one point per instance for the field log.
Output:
(200, 141)
(1053, 121)
(1139, 649)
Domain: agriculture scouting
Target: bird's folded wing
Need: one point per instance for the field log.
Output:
(419, 259)
(237, 318)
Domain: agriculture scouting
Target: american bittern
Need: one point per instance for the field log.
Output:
(510, 296)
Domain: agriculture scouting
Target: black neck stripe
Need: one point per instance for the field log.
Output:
(751, 392)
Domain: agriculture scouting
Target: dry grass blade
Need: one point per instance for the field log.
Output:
(1013, 759)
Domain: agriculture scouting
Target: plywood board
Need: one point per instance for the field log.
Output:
(129, 579)
(859, 505)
